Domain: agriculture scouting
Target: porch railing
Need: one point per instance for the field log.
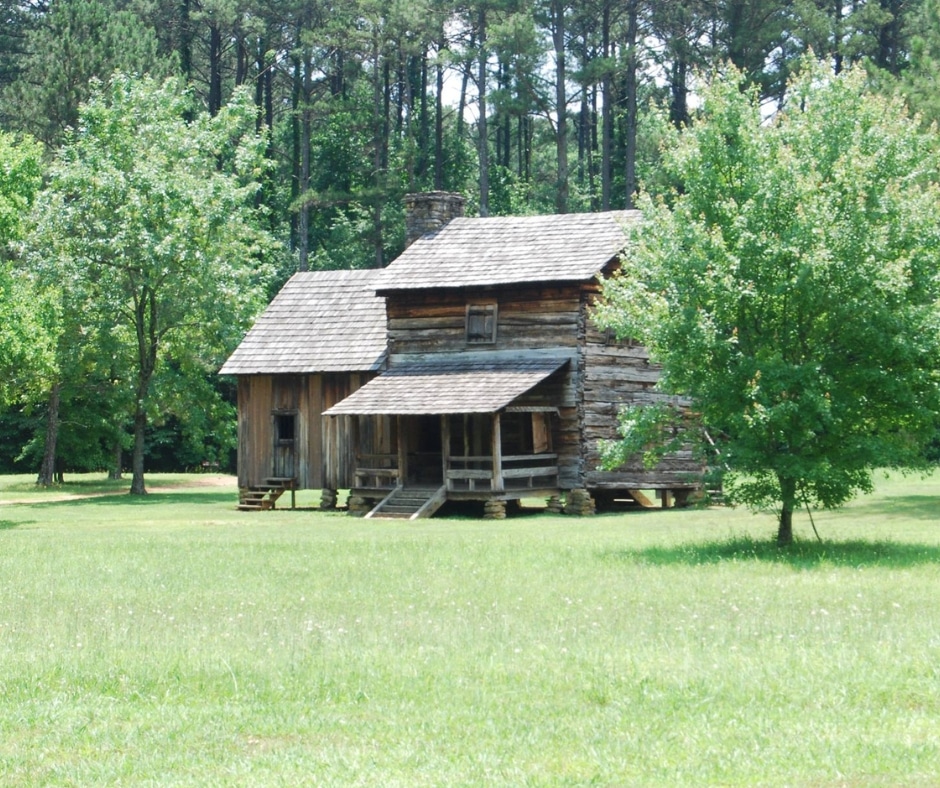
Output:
(467, 473)
(377, 470)
(518, 471)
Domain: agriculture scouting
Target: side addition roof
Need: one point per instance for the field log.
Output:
(505, 250)
(449, 387)
(320, 321)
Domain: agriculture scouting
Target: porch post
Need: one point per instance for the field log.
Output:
(402, 451)
(497, 451)
(445, 448)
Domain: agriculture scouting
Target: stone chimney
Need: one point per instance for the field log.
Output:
(428, 212)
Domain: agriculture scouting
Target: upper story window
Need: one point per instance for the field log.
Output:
(481, 324)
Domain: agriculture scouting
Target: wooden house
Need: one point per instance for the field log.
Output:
(498, 385)
(320, 339)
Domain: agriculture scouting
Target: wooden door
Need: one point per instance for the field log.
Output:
(285, 440)
(424, 450)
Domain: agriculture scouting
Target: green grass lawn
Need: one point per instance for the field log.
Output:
(172, 640)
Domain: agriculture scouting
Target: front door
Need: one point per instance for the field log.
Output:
(285, 436)
(423, 442)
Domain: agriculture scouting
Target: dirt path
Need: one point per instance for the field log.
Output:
(196, 480)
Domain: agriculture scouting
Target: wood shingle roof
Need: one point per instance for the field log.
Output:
(505, 250)
(446, 387)
(320, 321)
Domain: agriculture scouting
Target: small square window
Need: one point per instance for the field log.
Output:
(285, 425)
(481, 324)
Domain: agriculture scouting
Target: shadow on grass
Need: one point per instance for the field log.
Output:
(912, 507)
(178, 497)
(7, 525)
(802, 555)
(77, 487)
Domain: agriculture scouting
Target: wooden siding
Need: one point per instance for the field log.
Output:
(344, 438)
(324, 448)
(254, 429)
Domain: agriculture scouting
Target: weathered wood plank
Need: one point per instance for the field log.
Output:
(612, 354)
(427, 323)
(622, 376)
(652, 480)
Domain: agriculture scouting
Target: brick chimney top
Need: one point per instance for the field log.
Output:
(428, 212)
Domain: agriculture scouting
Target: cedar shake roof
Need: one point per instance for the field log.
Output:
(321, 321)
(450, 387)
(505, 250)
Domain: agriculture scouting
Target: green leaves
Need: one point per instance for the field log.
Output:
(20, 179)
(24, 318)
(149, 217)
(791, 285)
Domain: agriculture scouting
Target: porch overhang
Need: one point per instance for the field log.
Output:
(446, 388)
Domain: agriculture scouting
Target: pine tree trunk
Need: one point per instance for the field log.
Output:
(260, 54)
(679, 87)
(295, 154)
(47, 468)
(186, 39)
(439, 122)
(631, 89)
(215, 69)
(424, 116)
(838, 14)
(561, 109)
(607, 115)
(379, 140)
(303, 222)
(483, 141)
(462, 101)
(242, 59)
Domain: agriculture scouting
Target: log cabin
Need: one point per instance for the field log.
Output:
(497, 385)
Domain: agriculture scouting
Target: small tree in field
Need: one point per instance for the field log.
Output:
(790, 285)
(150, 229)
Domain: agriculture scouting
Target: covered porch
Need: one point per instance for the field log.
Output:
(461, 432)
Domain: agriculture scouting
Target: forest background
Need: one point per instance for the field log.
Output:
(523, 106)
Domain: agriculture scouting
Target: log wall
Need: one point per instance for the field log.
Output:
(528, 318)
(533, 322)
(617, 374)
(548, 322)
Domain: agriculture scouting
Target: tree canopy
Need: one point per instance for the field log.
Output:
(790, 286)
(24, 330)
(523, 106)
(150, 228)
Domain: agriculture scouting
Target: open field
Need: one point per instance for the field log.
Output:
(175, 641)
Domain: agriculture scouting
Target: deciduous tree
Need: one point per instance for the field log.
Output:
(791, 287)
(150, 217)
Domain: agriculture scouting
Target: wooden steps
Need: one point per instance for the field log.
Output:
(264, 496)
(410, 503)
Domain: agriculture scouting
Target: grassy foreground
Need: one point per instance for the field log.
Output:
(175, 641)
